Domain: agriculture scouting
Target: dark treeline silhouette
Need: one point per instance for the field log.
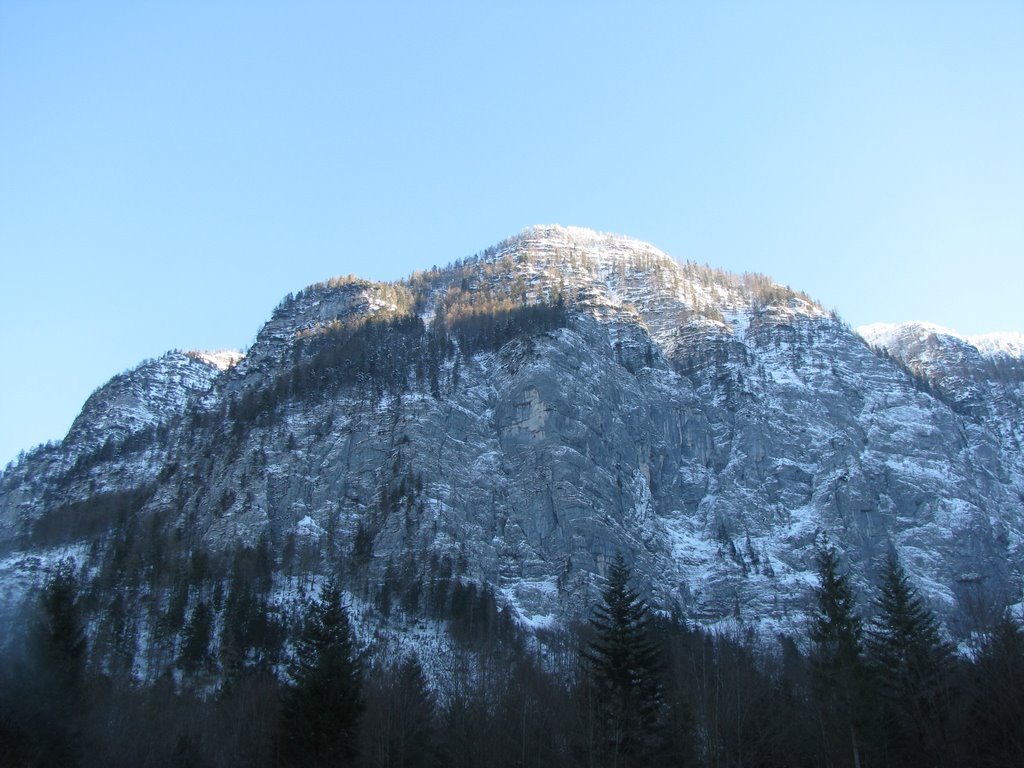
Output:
(391, 354)
(86, 519)
(255, 686)
(489, 329)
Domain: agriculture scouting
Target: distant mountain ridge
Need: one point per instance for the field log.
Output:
(993, 345)
(518, 418)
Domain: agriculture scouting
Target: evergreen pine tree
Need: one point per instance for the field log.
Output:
(58, 654)
(837, 659)
(912, 664)
(997, 701)
(400, 726)
(250, 635)
(624, 666)
(321, 710)
(195, 649)
(119, 632)
(60, 637)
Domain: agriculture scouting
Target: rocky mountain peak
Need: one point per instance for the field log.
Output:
(519, 417)
(916, 339)
(1000, 344)
(155, 392)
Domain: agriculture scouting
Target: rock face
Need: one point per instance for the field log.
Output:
(980, 377)
(564, 396)
(120, 441)
(154, 393)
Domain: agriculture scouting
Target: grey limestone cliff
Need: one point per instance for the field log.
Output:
(714, 428)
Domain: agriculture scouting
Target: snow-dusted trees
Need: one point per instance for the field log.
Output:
(648, 690)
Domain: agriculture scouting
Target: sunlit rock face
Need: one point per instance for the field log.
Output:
(715, 429)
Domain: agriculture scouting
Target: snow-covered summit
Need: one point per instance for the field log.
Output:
(880, 334)
(614, 272)
(600, 247)
(892, 335)
(221, 359)
(1006, 344)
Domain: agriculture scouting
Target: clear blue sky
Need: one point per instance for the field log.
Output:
(168, 171)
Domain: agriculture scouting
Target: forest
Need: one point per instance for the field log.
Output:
(629, 686)
(391, 353)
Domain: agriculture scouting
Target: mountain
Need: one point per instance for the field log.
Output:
(516, 419)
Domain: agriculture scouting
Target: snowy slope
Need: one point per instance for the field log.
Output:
(715, 428)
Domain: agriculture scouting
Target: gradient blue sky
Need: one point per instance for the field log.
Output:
(168, 171)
